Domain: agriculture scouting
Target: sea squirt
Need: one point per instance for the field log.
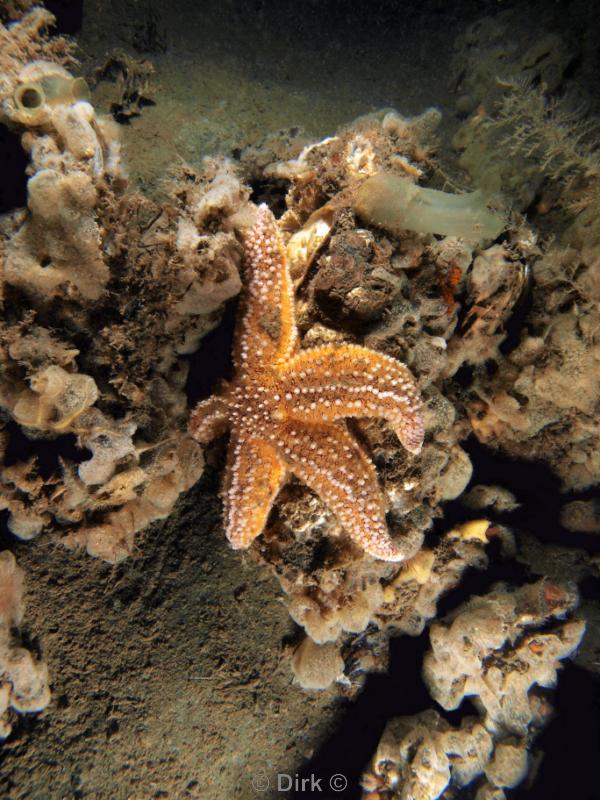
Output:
(42, 86)
(396, 204)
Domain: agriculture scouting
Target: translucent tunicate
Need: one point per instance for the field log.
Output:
(31, 97)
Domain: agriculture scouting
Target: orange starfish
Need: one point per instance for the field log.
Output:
(286, 409)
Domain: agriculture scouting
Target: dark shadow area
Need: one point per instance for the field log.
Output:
(361, 723)
(514, 325)
(68, 13)
(6, 537)
(475, 582)
(571, 743)
(48, 452)
(317, 22)
(270, 192)
(122, 113)
(13, 163)
(212, 361)
(535, 487)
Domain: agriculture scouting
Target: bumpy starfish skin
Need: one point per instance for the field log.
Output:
(286, 409)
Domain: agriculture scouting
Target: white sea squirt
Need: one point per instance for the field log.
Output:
(396, 204)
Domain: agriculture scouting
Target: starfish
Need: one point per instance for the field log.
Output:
(286, 408)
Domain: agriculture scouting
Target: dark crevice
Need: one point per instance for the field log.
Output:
(48, 452)
(464, 376)
(13, 163)
(573, 67)
(536, 488)
(69, 15)
(515, 323)
(361, 723)
(212, 362)
(477, 582)
(7, 539)
(589, 589)
(272, 193)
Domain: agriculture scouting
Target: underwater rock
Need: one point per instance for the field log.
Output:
(315, 666)
(24, 41)
(138, 497)
(105, 295)
(123, 84)
(496, 498)
(528, 137)
(581, 516)
(495, 284)
(120, 289)
(542, 400)
(495, 52)
(24, 685)
(502, 621)
(494, 648)
(58, 244)
(55, 401)
(419, 756)
(394, 291)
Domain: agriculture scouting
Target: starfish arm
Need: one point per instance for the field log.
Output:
(253, 477)
(267, 329)
(209, 419)
(333, 382)
(331, 463)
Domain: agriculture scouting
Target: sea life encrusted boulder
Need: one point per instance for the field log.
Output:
(103, 292)
(286, 409)
(503, 650)
(24, 682)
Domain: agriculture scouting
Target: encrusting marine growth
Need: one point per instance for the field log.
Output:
(105, 293)
(24, 680)
(397, 204)
(286, 409)
(501, 650)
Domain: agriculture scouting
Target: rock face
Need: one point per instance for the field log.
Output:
(104, 292)
(501, 650)
(24, 685)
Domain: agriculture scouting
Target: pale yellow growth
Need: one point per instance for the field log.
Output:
(304, 245)
(416, 569)
(317, 666)
(474, 530)
(55, 400)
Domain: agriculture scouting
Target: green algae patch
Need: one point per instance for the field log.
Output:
(396, 204)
